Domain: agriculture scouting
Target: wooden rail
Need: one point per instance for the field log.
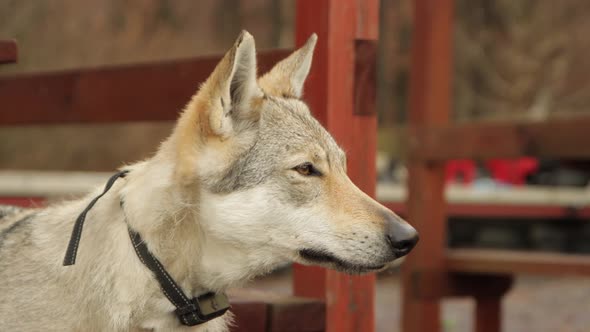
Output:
(556, 138)
(260, 311)
(146, 92)
(521, 212)
(488, 261)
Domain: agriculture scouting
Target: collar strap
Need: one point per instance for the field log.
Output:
(71, 252)
(190, 312)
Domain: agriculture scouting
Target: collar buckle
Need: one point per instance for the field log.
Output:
(203, 308)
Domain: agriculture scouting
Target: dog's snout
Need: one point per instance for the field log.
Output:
(401, 236)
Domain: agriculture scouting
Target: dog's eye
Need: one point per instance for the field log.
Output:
(307, 169)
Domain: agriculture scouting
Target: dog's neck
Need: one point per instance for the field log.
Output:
(170, 222)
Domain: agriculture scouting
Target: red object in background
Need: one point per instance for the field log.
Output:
(509, 171)
(460, 171)
(512, 171)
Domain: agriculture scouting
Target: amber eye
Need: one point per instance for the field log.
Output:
(307, 169)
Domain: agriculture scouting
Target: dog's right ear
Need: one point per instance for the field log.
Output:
(287, 77)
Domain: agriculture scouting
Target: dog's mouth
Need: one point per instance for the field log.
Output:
(322, 257)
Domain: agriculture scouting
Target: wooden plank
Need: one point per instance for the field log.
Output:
(509, 262)
(249, 316)
(49, 183)
(526, 212)
(8, 51)
(265, 311)
(146, 92)
(23, 201)
(330, 93)
(435, 284)
(430, 101)
(488, 314)
(515, 195)
(297, 315)
(556, 138)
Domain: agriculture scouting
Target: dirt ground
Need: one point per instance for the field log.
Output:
(535, 304)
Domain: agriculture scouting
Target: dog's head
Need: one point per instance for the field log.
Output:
(270, 179)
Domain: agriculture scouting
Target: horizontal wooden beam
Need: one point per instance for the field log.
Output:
(484, 261)
(531, 212)
(556, 138)
(434, 284)
(8, 51)
(264, 311)
(23, 201)
(146, 92)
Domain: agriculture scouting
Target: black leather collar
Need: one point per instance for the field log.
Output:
(190, 312)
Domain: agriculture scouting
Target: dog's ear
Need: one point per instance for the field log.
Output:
(286, 78)
(224, 106)
(232, 86)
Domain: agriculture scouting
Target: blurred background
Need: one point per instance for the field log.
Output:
(524, 60)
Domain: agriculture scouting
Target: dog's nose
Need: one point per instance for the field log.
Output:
(401, 236)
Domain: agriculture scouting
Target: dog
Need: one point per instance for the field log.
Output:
(247, 181)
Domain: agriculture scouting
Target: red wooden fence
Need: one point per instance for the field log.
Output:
(432, 271)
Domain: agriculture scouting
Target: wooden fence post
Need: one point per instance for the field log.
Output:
(430, 100)
(330, 93)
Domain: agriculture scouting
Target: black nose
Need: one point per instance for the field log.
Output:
(401, 236)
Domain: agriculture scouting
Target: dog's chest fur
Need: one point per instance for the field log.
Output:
(107, 290)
